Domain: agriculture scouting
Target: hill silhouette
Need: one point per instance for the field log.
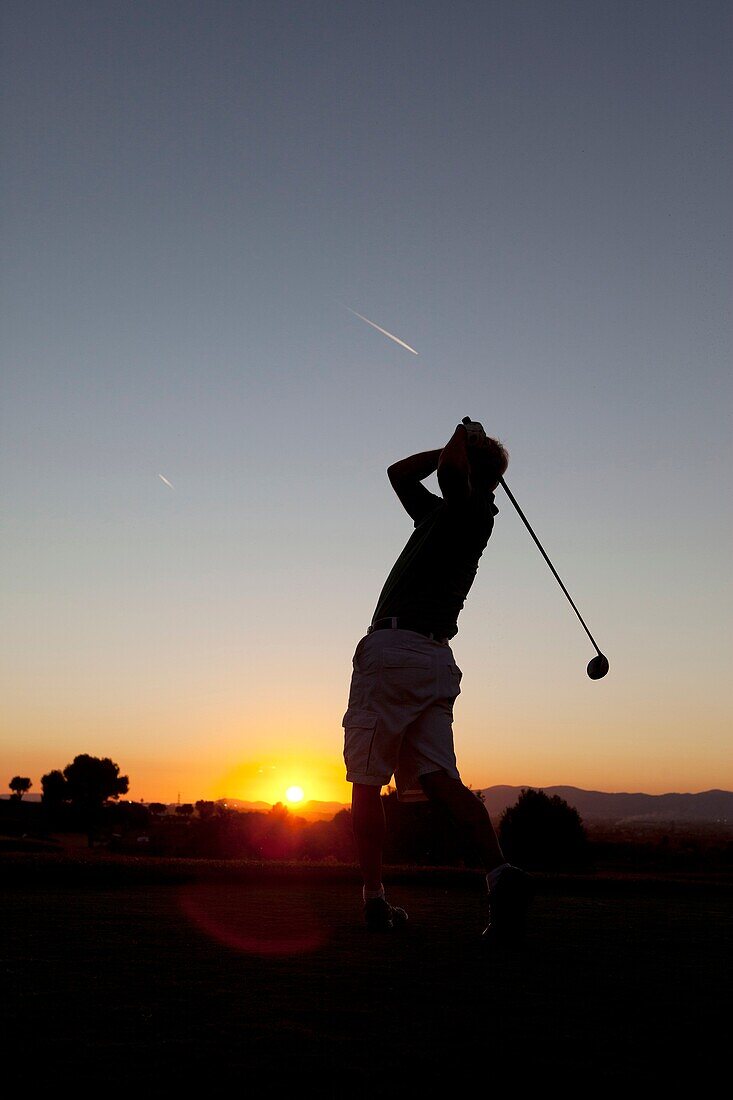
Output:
(311, 810)
(711, 806)
(705, 806)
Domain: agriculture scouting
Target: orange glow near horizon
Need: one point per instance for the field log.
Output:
(267, 779)
(290, 779)
(249, 929)
(653, 757)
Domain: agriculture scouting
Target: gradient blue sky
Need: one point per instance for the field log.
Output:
(534, 195)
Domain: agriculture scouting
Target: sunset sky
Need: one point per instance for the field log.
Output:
(535, 196)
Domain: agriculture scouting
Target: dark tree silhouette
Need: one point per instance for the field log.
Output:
(55, 788)
(19, 785)
(125, 816)
(542, 832)
(205, 810)
(90, 781)
(157, 808)
(185, 810)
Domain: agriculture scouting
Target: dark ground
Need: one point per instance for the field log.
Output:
(137, 974)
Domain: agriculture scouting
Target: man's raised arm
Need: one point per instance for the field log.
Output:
(405, 477)
(454, 471)
(414, 468)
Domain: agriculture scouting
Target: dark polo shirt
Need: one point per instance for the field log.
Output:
(431, 578)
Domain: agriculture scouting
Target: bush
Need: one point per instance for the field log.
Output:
(543, 832)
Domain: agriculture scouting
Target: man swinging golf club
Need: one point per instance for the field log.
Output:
(405, 679)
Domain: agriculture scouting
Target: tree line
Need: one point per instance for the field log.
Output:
(538, 831)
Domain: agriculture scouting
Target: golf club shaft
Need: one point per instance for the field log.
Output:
(525, 521)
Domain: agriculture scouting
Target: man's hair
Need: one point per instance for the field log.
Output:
(488, 463)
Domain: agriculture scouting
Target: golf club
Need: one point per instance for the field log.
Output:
(598, 666)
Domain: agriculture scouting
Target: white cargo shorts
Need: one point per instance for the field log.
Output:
(399, 719)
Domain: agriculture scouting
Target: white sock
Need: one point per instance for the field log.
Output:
(369, 894)
(493, 875)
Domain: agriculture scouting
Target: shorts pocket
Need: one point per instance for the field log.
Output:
(360, 727)
(405, 658)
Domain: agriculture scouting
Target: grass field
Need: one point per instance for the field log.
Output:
(139, 975)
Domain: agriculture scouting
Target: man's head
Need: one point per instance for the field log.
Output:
(488, 464)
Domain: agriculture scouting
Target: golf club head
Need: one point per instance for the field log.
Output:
(598, 667)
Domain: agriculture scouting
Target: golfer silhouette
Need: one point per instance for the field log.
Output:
(405, 679)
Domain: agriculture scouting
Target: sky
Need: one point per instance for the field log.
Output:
(195, 197)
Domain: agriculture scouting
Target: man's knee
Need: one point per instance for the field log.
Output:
(439, 783)
(453, 793)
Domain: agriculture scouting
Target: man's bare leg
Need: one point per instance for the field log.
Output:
(468, 812)
(370, 827)
(510, 889)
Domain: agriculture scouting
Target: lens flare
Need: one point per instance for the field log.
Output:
(254, 918)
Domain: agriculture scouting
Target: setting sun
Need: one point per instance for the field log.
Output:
(294, 794)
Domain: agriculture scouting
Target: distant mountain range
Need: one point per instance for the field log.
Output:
(711, 806)
(600, 806)
(311, 810)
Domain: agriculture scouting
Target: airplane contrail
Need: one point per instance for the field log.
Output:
(165, 481)
(383, 331)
